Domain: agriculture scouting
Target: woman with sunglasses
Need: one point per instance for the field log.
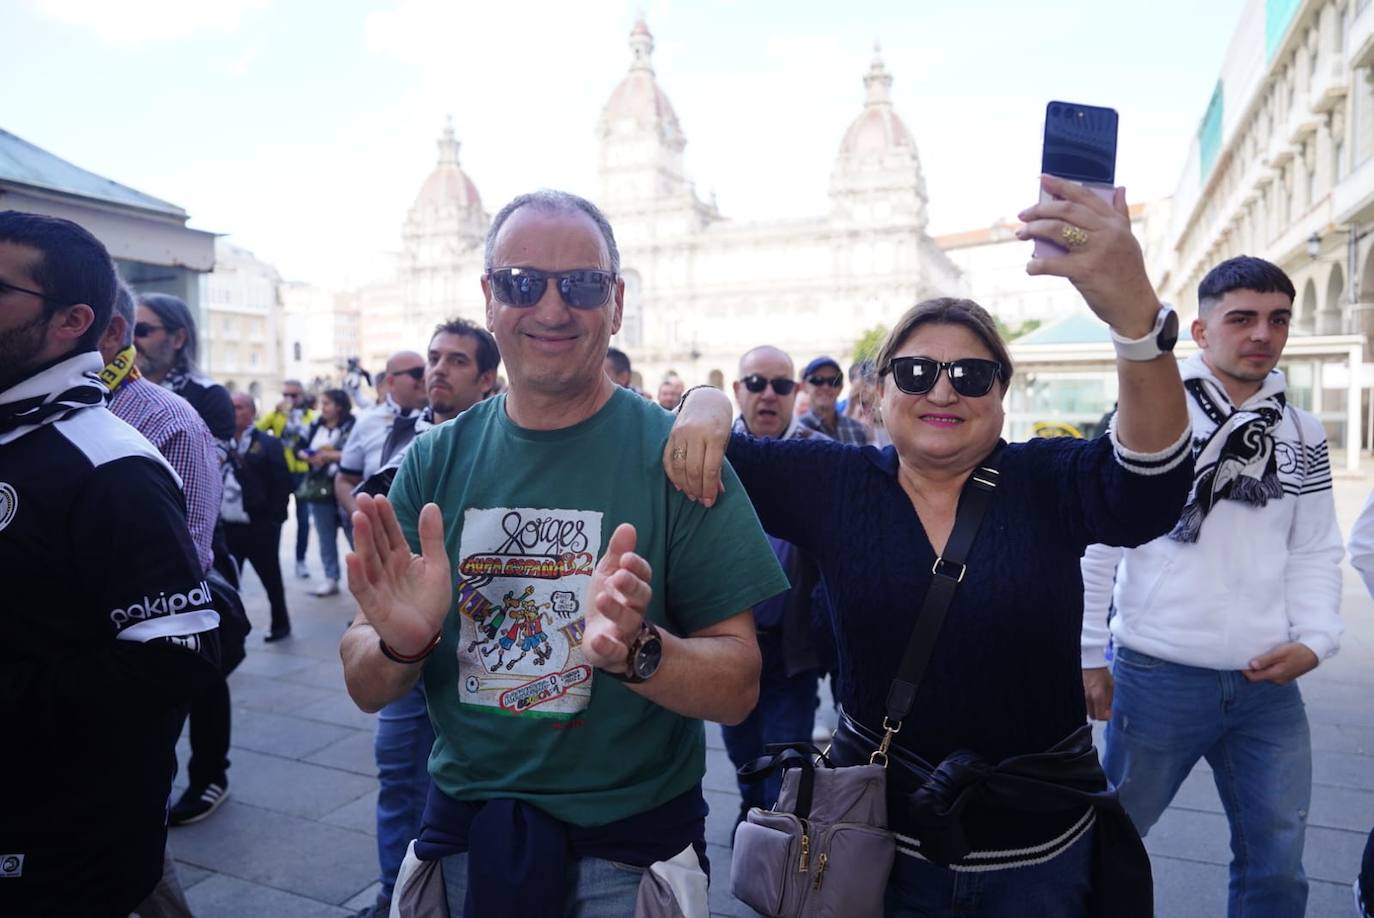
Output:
(1002, 692)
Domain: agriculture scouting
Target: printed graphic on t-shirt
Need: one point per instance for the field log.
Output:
(522, 583)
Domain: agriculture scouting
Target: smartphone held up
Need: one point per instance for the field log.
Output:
(1079, 145)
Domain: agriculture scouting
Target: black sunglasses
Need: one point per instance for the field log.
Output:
(781, 384)
(970, 376)
(144, 329)
(833, 382)
(415, 373)
(522, 287)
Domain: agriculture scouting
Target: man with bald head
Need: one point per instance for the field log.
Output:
(256, 487)
(566, 693)
(362, 451)
(766, 390)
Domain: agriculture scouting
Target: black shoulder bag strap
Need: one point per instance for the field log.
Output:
(948, 572)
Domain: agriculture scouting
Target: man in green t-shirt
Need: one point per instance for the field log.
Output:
(567, 693)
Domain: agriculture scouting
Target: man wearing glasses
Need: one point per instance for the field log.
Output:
(766, 392)
(824, 380)
(107, 628)
(362, 451)
(569, 735)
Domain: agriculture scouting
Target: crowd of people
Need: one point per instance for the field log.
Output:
(559, 577)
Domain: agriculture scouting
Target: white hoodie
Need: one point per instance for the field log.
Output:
(1257, 577)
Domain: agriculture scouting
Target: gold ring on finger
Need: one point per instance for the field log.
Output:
(679, 455)
(1073, 236)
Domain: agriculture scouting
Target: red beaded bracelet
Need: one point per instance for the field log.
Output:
(395, 657)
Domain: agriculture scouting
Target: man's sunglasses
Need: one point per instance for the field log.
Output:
(415, 373)
(522, 287)
(781, 384)
(144, 329)
(969, 376)
(833, 382)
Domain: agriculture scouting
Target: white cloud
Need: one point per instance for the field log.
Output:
(135, 22)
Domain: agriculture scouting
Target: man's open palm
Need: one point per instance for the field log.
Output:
(619, 592)
(403, 595)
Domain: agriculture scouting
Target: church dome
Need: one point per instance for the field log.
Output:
(448, 185)
(878, 130)
(638, 103)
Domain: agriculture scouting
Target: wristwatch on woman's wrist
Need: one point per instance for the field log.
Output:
(1158, 340)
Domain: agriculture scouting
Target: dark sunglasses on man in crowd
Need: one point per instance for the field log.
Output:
(781, 384)
(415, 373)
(580, 289)
(970, 376)
(833, 382)
(144, 329)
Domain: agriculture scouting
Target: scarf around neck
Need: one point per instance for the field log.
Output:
(123, 368)
(51, 394)
(1233, 447)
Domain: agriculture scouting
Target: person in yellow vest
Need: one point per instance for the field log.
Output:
(288, 422)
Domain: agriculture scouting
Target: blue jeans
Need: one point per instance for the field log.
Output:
(785, 713)
(328, 519)
(596, 888)
(1058, 888)
(1254, 735)
(405, 738)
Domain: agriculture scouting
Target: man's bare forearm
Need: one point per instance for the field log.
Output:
(344, 483)
(373, 681)
(711, 676)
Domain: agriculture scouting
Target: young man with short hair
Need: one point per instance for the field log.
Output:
(1216, 621)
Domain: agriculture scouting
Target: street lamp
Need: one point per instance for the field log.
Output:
(1314, 245)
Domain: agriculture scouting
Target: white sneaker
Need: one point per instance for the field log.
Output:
(328, 588)
(302, 571)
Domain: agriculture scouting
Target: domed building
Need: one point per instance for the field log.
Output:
(700, 287)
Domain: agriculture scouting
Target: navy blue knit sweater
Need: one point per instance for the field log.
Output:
(1005, 676)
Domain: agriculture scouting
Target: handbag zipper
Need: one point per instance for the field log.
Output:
(805, 851)
(820, 870)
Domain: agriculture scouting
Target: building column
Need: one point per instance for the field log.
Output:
(1353, 414)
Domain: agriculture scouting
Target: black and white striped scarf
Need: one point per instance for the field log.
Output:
(52, 394)
(1233, 448)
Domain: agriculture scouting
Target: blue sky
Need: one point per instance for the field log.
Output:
(304, 129)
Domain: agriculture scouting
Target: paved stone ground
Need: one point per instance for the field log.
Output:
(296, 837)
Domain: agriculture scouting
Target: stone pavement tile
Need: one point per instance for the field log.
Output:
(190, 874)
(363, 899)
(1191, 835)
(314, 640)
(720, 774)
(1328, 737)
(321, 674)
(1333, 854)
(1344, 707)
(1188, 889)
(272, 664)
(360, 815)
(226, 897)
(713, 738)
(317, 861)
(283, 735)
(263, 693)
(290, 786)
(1344, 769)
(1331, 899)
(351, 753)
(720, 821)
(1198, 792)
(338, 708)
(1342, 808)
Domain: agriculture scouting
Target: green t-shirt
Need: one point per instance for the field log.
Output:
(517, 710)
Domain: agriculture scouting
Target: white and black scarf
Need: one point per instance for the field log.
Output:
(52, 394)
(1233, 448)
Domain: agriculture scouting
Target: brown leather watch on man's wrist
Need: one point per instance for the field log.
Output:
(645, 653)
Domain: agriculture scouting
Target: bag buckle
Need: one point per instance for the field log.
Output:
(879, 756)
(941, 567)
